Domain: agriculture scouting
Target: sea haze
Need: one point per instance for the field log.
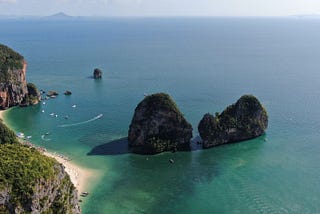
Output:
(205, 64)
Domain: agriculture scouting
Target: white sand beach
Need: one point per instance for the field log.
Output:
(1, 114)
(79, 176)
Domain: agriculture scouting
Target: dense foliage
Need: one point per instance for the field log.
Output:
(21, 168)
(158, 125)
(160, 101)
(7, 135)
(245, 119)
(241, 115)
(9, 59)
(33, 94)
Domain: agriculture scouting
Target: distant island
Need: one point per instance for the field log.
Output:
(59, 16)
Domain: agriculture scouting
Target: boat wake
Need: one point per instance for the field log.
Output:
(81, 123)
(45, 139)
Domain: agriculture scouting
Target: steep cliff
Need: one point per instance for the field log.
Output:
(33, 183)
(13, 84)
(158, 126)
(245, 119)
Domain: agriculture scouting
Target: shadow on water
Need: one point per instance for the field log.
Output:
(115, 147)
(120, 146)
(156, 182)
(146, 183)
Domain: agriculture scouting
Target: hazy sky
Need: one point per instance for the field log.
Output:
(161, 7)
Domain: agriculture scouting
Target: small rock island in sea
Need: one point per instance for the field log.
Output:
(158, 126)
(97, 73)
(246, 119)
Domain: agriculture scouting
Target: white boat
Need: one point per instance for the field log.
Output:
(20, 135)
(74, 106)
(28, 137)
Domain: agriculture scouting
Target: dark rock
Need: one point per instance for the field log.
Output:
(52, 93)
(97, 73)
(245, 119)
(158, 126)
(67, 92)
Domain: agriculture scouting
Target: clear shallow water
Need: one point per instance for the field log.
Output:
(205, 64)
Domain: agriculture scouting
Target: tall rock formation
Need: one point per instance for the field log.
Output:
(245, 119)
(158, 126)
(13, 84)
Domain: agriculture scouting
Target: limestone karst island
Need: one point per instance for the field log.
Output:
(159, 126)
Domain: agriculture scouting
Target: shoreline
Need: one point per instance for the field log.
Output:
(2, 115)
(80, 177)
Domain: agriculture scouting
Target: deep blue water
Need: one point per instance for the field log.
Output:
(205, 64)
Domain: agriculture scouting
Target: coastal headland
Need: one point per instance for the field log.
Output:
(79, 176)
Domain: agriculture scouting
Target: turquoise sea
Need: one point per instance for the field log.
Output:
(205, 64)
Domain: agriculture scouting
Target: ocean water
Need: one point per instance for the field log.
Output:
(205, 64)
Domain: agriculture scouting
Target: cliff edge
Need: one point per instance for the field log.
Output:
(13, 85)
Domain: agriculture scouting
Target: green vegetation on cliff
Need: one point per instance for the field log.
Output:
(9, 59)
(242, 114)
(31, 182)
(33, 96)
(158, 126)
(243, 120)
(21, 168)
(162, 101)
(7, 135)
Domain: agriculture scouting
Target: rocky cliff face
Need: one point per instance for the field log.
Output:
(158, 126)
(13, 90)
(245, 119)
(54, 196)
(34, 183)
(13, 84)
